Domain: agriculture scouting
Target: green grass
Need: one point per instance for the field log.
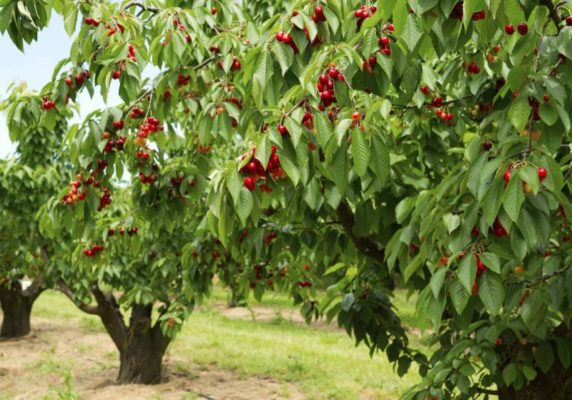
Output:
(321, 363)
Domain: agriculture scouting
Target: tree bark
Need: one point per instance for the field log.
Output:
(142, 356)
(141, 345)
(237, 298)
(555, 385)
(17, 308)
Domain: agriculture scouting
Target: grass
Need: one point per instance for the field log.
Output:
(320, 363)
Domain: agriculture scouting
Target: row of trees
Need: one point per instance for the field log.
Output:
(424, 143)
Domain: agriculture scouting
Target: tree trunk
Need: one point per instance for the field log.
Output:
(555, 385)
(237, 298)
(142, 357)
(17, 308)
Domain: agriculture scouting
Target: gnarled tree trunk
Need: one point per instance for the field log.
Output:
(142, 355)
(17, 306)
(141, 345)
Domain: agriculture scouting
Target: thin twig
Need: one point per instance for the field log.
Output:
(143, 7)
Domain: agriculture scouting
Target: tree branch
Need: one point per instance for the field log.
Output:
(86, 308)
(553, 12)
(143, 7)
(36, 288)
(367, 245)
(547, 277)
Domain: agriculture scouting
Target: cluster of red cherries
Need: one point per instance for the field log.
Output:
(363, 13)
(304, 284)
(318, 15)
(150, 126)
(95, 250)
(183, 80)
(286, 38)
(270, 237)
(73, 196)
(79, 79)
(325, 86)
(118, 144)
(104, 200)
(48, 104)
(255, 171)
(522, 28)
(473, 68)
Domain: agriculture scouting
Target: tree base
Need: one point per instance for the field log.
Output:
(17, 309)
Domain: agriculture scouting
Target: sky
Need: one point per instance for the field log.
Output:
(35, 66)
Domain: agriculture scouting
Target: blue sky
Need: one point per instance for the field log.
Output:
(35, 67)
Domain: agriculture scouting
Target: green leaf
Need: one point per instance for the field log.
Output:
(263, 148)
(510, 373)
(459, 296)
(451, 222)
(519, 112)
(492, 261)
(437, 281)
(339, 169)
(516, 78)
(491, 292)
(467, 272)
(411, 32)
(544, 356)
(360, 152)
(380, 160)
(263, 70)
(233, 184)
(244, 205)
(70, 20)
(412, 267)
(513, 197)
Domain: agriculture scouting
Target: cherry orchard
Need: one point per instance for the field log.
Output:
(436, 181)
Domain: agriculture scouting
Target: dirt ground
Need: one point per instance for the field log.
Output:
(36, 367)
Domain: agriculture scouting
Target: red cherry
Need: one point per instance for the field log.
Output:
(384, 41)
(319, 11)
(499, 342)
(372, 61)
(386, 51)
(117, 124)
(68, 81)
(213, 11)
(326, 95)
(522, 28)
(249, 183)
(487, 146)
(390, 27)
(506, 176)
(546, 98)
(116, 74)
(569, 20)
(542, 173)
(425, 90)
(48, 104)
(333, 73)
(356, 116)
(283, 130)
(509, 29)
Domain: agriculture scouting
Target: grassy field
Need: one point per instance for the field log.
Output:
(320, 362)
